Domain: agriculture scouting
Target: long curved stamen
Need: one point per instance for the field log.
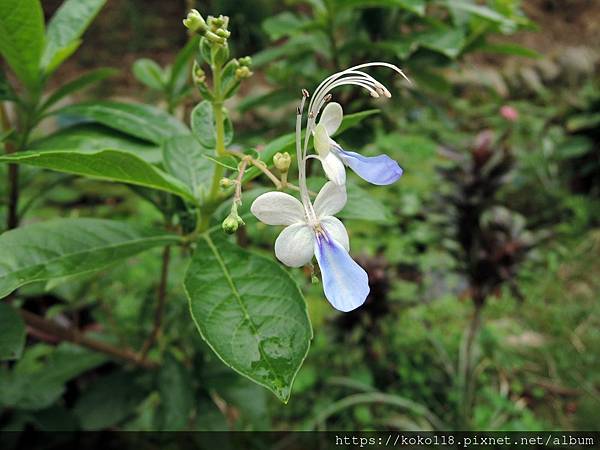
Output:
(304, 196)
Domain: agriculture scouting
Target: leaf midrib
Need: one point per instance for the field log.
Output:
(238, 297)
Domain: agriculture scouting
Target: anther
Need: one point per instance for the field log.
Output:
(327, 98)
(305, 93)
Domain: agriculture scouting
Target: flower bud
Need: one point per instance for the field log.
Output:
(222, 33)
(213, 38)
(245, 61)
(282, 161)
(198, 75)
(194, 22)
(226, 182)
(230, 224)
(242, 73)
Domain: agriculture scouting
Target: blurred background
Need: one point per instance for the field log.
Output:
(484, 259)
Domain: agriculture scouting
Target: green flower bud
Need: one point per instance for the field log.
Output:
(230, 224)
(198, 75)
(213, 38)
(223, 33)
(194, 22)
(226, 182)
(282, 161)
(245, 61)
(242, 73)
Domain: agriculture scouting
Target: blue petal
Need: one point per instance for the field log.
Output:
(380, 170)
(345, 283)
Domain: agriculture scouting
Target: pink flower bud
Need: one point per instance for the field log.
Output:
(509, 113)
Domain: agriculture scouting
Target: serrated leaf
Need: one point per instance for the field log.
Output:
(111, 165)
(250, 312)
(183, 157)
(203, 125)
(142, 121)
(12, 333)
(64, 247)
(90, 138)
(22, 38)
(65, 29)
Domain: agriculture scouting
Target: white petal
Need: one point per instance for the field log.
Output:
(322, 141)
(278, 208)
(330, 200)
(331, 117)
(295, 245)
(334, 168)
(336, 229)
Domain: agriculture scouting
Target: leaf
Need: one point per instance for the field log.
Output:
(414, 6)
(142, 121)
(78, 83)
(149, 73)
(64, 247)
(203, 125)
(65, 29)
(90, 138)
(12, 333)
(6, 90)
(180, 72)
(175, 386)
(183, 158)
(109, 401)
(283, 24)
(111, 165)
(250, 312)
(286, 143)
(446, 40)
(507, 48)
(361, 205)
(22, 38)
(39, 377)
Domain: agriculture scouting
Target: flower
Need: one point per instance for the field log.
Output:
(380, 170)
(313, 230)
(509, 113)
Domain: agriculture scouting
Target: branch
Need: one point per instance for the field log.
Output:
(160, 305)
(75, 336)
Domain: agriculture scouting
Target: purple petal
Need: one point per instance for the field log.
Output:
(345, 283)
(380, 170)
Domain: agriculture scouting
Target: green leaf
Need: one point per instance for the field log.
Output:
(12, 333)
(414, 6)
(283, 24)
(250, 312)
(78, 83)
(175, 386)
(203, 125)
(22, 38)
(183, 158)
(361, 205)
(90, 138)
(111, 165)
(507, 48)
(446, 40)
(6, 90)
(142, 121)
(477, 10)
(286, 143)
(39, 377)
(65, 247)
(149, 73)
(180, 72)
(65, 29)
(109, 401)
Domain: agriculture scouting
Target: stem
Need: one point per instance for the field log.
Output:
(12, 220)
(161, 297)
(75, 336)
